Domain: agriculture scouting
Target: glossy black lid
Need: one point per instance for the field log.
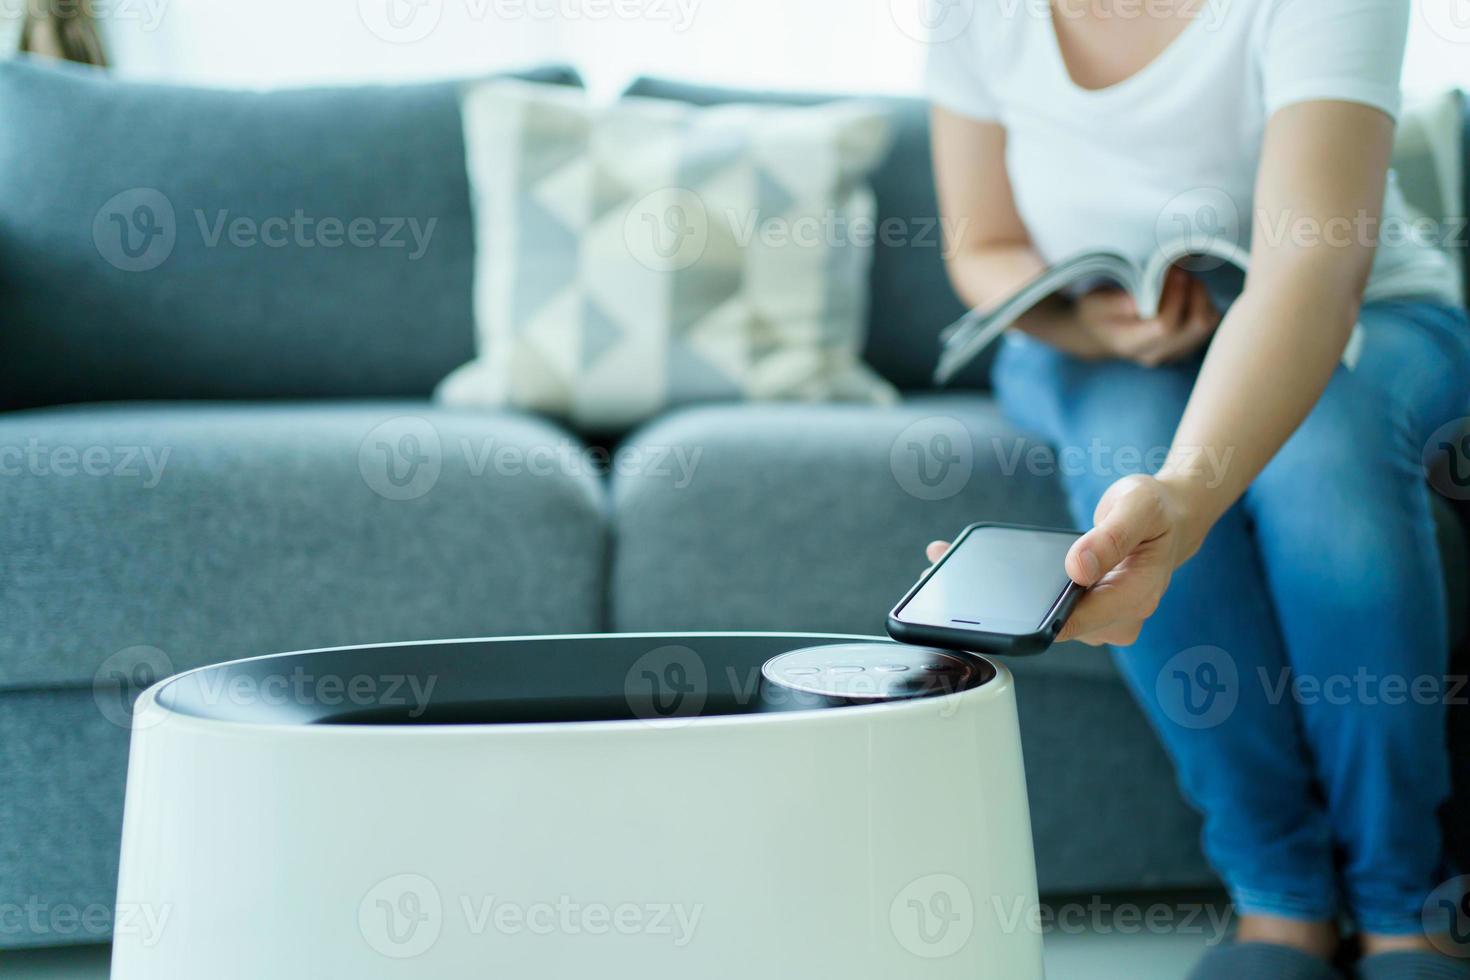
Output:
(548, 679)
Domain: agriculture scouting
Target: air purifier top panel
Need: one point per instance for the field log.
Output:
(568, 679)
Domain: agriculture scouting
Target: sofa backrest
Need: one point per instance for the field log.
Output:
(169, 242)
(1431, 158)
(910, 300)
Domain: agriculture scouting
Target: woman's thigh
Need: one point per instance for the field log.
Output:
(1342, 512)
(1105, 419)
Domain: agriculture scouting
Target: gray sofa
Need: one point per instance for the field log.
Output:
(193, 463)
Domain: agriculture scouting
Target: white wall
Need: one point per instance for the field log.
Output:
(838, 45)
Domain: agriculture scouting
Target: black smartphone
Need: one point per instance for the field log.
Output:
(1000, 588)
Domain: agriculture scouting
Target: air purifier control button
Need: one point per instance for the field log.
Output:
(868, 672)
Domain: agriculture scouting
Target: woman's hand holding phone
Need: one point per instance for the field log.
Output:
(1126, 561)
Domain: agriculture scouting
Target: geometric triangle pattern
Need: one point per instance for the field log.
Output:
(648, 254)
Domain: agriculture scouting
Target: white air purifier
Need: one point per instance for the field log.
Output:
(659, 807)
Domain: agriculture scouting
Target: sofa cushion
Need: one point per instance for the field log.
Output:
(215, 243)
(604, 297)
(910, 300)
(210, 531)
(1429, 167)
(63, 764)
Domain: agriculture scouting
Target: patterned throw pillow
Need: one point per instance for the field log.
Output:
(645, 254)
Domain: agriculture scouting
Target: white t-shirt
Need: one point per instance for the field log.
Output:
(1174, 148)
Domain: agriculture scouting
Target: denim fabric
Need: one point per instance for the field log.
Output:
(1295, 669)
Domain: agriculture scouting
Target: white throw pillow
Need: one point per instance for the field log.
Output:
(644, 254)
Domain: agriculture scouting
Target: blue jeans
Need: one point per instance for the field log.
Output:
(1295, 670)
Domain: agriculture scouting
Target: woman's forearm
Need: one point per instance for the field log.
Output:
(1270, 361)
(1282, 339)
(986, 275)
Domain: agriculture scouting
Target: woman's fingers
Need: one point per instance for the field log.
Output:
(1174, 302)
(1139, 339)
(1125, 562)
(1112, 303)
(936, 550)
(1200, 321)
(1114, 610)
(1130, 513)
(1103, 618)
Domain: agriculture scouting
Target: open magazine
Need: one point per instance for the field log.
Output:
(966, 338)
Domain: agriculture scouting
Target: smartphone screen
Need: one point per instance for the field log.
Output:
(995, 580)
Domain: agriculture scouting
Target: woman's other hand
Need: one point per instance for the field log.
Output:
(1186, 320)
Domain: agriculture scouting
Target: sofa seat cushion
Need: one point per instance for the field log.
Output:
(215, 531)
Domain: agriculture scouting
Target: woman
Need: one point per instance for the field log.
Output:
(1085, 124)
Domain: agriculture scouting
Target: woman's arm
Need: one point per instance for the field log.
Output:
(990, 256)
(1319, 193)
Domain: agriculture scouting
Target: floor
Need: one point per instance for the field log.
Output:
(1090, 938)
